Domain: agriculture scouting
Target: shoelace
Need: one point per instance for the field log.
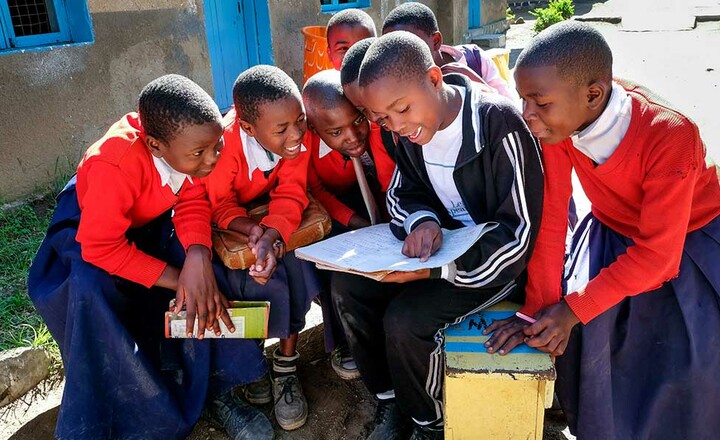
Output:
(286, 391)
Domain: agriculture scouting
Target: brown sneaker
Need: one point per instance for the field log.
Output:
(260, 391)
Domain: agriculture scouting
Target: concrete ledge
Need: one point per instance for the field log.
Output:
(489, 41)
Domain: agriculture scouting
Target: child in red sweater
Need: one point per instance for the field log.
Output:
(130, 232)
(637, 328)
(264, 160)
(340, 132)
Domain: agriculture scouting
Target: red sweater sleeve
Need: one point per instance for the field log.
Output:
(654, 258)
(104, 221)
(219, 184)
(383, 162)
(337, 209)
(192, 215)
(288, 199)
(545, 269)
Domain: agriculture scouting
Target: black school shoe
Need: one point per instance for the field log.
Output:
(239, 419)
(425, 433)
(390, 423)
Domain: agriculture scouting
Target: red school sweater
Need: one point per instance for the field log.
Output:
(332, 175)
(230, 187)
(119, 188)
(654, 189)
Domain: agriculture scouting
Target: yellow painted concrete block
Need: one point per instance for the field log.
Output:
(488, 396)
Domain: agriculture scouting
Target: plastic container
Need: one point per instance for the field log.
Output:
(316, 56)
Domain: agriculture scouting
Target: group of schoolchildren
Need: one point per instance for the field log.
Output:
(630, 309)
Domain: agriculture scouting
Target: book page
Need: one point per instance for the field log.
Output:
(375, 249)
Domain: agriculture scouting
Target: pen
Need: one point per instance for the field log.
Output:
(525, 317)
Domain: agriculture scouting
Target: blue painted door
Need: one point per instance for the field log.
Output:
(238, 34)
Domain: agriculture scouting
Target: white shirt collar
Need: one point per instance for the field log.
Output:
(601, 138)
(258, 158)
(168, 175)
(324, 149)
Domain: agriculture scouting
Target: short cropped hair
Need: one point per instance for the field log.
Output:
(170, 103)
(400, 55)
(353, 59)
(323, 91)
(352, 17)
(259, 85)
(412, 14)
(576, 49)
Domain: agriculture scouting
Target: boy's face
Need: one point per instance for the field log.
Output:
(341, 38)
(342, 128)
(411, 108)
(553, 108)
(280, 127)
(194, 150)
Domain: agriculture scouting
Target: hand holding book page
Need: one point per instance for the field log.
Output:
(374, 251)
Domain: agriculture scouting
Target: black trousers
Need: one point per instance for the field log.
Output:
(395, 332)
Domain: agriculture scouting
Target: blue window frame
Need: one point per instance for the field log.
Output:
(30, 24)
(339, 5)
(474, 14)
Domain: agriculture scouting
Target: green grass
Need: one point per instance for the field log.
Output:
(22, 228)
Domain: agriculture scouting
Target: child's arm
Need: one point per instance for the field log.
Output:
(220, 188)
(408, 197)
(288, 199)
(384, 164)
(196, 284)
(104, 221)
(543, 287)
(672, 171)
(337, 209)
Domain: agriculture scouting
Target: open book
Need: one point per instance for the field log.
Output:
(374, 251)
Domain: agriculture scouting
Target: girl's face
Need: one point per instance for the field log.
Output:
(412, 109)
(194, 150)
(554, 108)
(343, 129)
(280, 127)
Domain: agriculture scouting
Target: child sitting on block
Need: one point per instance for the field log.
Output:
(465, 158)
(636, 326)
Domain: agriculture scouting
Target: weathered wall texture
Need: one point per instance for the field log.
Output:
(55, 103)
(288, 17)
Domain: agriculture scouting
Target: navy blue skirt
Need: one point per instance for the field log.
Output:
(648, 368)
(290, 291)
(123, 378)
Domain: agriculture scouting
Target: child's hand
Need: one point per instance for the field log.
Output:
(254, 234)
(244, 225)
(357, 222)
(261, 272)
(198, 289)
(406, 277)
(506, 335)
(423, 241)
(551, 331)
(264, 250)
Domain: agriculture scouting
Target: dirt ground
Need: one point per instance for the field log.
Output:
(339, 410)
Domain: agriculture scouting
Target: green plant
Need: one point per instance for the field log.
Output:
(566, 8)
(22, 228)
(545, 17)
(509, 14)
